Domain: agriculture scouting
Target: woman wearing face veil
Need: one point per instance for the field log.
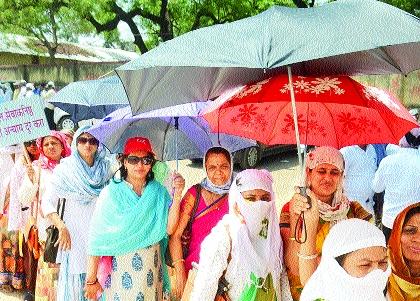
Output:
(353, 267)
(245, 246)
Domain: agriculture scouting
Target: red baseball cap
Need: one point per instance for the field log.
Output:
(135, 144)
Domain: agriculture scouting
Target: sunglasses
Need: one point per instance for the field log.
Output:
(134, 160)
(84, 140)
(29, 143)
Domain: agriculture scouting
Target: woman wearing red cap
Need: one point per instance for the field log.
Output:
(131, 223)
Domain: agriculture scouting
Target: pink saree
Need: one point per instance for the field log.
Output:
(202, 226)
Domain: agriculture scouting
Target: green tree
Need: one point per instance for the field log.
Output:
(48, 21)
(153, 21)
(411, 6)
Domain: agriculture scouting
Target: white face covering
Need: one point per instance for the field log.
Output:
(331, 282)
(256, 242)
(256, 216)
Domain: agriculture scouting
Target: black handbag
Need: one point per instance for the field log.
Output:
(50, 253)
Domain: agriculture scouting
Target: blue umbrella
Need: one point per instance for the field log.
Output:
(188, 139)
(343, 37)
(91, 98)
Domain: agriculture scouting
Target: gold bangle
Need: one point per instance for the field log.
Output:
(92, 283)
(307, 257)
(178, 260)
(292, 238)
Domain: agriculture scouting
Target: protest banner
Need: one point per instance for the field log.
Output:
(22, 120)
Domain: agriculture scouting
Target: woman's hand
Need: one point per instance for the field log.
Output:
(180, 280)
(178, 185)
(30, 172)
(93, 291)
(64, 240)
(300, 204)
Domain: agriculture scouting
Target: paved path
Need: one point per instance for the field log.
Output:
(285, 172)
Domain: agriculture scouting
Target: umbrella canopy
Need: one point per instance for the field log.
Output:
(91, 98)
(332, 110)
(343, 37)
(191, 140)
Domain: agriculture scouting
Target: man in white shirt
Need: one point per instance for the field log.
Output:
(359, 170)
(399, 176)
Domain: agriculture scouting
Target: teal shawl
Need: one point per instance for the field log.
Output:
(123, 222)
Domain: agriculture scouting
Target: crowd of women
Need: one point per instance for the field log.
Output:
(127, 231)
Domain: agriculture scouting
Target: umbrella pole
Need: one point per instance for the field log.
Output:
(176, 142)
(295, 120)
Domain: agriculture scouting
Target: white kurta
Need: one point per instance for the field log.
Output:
(399, 176)
(359, 170)
(77, 216)
(214, 255)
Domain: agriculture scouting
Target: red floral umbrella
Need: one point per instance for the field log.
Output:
(335, 111)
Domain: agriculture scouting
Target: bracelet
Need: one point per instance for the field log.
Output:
(292, 238)
(178, 260)
(92, 283)
(307, 257)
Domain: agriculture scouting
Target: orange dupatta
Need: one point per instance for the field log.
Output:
(402, 286)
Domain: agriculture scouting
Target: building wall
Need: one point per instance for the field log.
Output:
(12, 59)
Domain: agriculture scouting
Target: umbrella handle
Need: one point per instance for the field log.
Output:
(176, 142)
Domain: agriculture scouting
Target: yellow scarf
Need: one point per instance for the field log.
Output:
(402, 290)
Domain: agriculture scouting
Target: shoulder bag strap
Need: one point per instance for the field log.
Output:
(61, 201)
(211, 205)
(194, 210)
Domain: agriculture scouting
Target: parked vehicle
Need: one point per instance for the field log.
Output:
(251, 156)
(63, 120)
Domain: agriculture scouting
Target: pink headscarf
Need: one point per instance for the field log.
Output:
(47, 163)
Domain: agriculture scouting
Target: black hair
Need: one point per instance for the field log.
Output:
(413, 211)
(340, 259)
(218, 150)
(123, 170)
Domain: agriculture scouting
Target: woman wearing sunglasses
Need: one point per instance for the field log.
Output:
(131, 222)
(52, 149)
(78, 179)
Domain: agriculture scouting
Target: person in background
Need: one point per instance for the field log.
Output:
(404, 253)
(47, 94)
(359, 170)
(18, 215)
(210, 197)
(69, 135)
(29, 90)
(11, 264)
(131, 223)
(398, 176)
(354, 265)
(324, 186)
(22, 89)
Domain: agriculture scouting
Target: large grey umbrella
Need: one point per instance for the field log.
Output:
(343, 37)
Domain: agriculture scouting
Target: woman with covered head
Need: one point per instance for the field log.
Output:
(52, 149)
(324, 186)
(203, 206)
(78, 179)
(245, 247)
(131, 223)
(354, 265)
(404, 252)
